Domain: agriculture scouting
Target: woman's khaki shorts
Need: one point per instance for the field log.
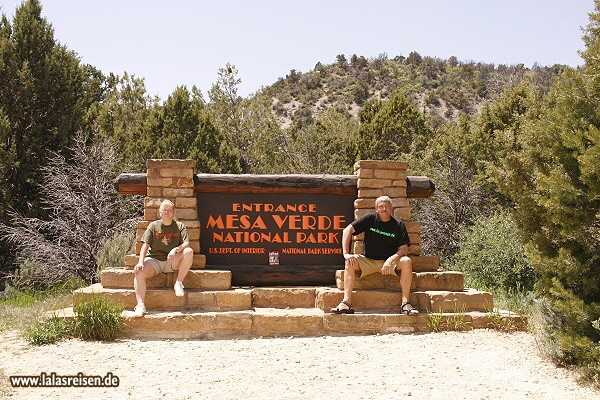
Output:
(369, 266)
(160, 267)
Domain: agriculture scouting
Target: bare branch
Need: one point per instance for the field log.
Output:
(84, 211)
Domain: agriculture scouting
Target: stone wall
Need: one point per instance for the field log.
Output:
(172, 180)
(384, 178)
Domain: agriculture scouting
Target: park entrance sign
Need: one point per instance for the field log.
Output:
(273, 230)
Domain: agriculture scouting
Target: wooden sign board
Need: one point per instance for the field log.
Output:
(275, 230)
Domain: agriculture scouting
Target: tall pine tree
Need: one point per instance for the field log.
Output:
(554, 180)
(44, 95)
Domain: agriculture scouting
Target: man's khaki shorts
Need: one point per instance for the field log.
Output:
(160, 267)
(369, 266)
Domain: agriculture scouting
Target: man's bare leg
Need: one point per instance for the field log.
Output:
(404, 269)
(349, 280)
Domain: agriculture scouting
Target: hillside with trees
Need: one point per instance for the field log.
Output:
(514, 153)
(441, 90)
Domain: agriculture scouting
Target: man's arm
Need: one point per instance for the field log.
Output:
(347, 239)
(347, 245)
(387, 266)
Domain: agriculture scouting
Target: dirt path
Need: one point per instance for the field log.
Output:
(481, 364)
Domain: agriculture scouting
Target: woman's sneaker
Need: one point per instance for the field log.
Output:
(139, 311)
(179, 289)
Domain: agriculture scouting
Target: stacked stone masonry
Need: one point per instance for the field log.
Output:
(384, 178)
(171, 180)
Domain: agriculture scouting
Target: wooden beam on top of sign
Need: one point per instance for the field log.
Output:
(275, 190)
(416, 186)
(293, 183)
(419, 187)
(130, 183)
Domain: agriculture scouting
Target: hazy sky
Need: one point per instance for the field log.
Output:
(184, 42)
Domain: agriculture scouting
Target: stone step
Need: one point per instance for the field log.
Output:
(195, 279)
(446, 301)
(420, 263)
(440, 280)
(425, 263)
(195, 324)
(284, 297)
(323, 298)
(199, 261)
(217, 300)
(390, 300)
(208, 300)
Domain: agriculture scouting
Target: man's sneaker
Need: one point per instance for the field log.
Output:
(178, 289)
(139, 310)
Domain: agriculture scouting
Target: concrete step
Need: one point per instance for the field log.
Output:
(195, 324)
(164, 298)
(440, 280)
(195, 279)
(390, 300)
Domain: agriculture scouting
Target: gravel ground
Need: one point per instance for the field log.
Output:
(481, 364)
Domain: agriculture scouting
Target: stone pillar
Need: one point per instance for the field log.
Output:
(384, 178)
(172, 180)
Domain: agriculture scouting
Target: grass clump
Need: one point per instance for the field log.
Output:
(434, 321)
(455, 321)
(98, 318)
(26, 310)
(504, 323)
(49, 331)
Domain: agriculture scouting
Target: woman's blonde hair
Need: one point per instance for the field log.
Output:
(166, 203)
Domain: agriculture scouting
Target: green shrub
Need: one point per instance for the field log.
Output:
(48, 331)
(519, 301)
(98, 319)
(492, 256)
(113, 250)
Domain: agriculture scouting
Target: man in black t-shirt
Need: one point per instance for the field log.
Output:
(386, 247)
